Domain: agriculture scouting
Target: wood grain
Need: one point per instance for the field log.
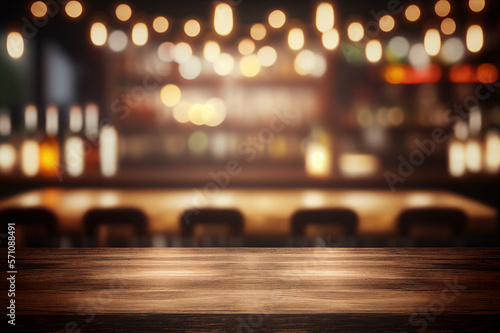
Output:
(267, 212)
(311, 287)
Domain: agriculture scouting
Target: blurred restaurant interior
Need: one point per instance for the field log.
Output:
(250, 123)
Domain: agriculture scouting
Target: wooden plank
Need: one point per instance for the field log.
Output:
(250, 290)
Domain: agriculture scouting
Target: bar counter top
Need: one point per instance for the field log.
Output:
(257, 289)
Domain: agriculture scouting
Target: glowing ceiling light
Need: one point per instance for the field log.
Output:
(258, 31)
(15, 45)
(192, 28)
(476, 5)
(140, 34)
(211, 51)
(170, 95)
(386, 23)
(373, 51)
(224, 64)
(267, 56)
(73, 9)
(474, 39)
(160, 24)
(324, 17)
(277, 19)
(355, 31)
(118, 41)
(330, 39)
(448, 26)
(123, 12)
(246, 46)
(432, 42)
(296, 39)
(442, 8)
(412, 13)
(39, 9)
(223, 19)
(250, 65)
(98, 34)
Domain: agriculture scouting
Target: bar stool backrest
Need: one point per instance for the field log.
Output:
(35, 226)
(116, 227)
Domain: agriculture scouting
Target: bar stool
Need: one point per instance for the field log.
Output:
(324, 227)
(211, 227)
(116, 227)
(35, 227)
(431, 227)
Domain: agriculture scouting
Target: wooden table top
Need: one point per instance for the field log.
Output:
(266, 211)
(306, 285)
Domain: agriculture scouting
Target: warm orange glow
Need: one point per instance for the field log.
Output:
(49, 158)
(192, 28)
(358, 165)
(30, 158)
(432, 42)
(73, 9)
(448, 26)
(412, 13)
(442, 8)
(386, 23)
(160, 24)
(39, 9)
(258, 31)
(246, 46)
(277, 19)
(123, 12)
(486, 73)
(404, 74)
(476, 5)
(462, 73)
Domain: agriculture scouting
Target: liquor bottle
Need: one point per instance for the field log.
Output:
(7, 149)
(49, 148)
(30, 147)
(74, 144)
